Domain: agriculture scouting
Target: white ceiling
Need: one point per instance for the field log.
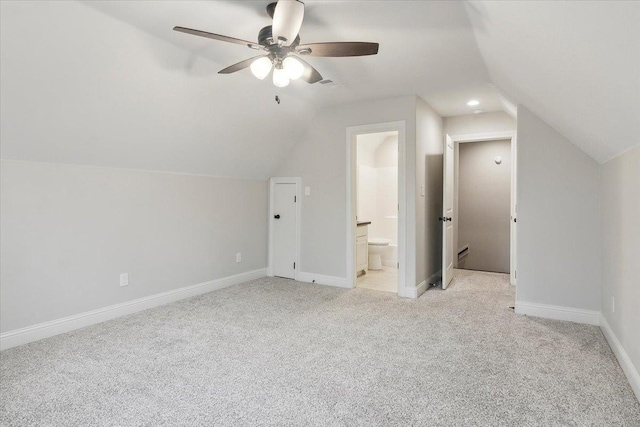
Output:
(575, 64)
(426, 48)
(110, 84)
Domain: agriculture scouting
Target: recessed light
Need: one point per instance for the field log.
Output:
(477, 111)
(473, 103)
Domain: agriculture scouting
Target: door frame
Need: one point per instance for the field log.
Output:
(512, 136)
(272, 183)
(352, 134)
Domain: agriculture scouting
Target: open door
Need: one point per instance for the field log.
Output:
(447, 214)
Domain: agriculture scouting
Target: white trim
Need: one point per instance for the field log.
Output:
(322, 279)
(556, 312)
(623, 358)
(417, 291)
(513, 229)
(272, 182)
(67, 324)
(403, 226)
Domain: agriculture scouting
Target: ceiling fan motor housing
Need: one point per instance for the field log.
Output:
(265, 37)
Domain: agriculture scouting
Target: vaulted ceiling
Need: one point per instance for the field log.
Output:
(110, 84)
(575, 64)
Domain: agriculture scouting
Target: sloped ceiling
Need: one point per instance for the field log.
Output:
(575, 64)
(426, 48)
(110, 84)
(80, 87)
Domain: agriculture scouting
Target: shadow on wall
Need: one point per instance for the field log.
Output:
(433, 203)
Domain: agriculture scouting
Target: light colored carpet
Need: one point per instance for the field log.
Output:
(276, 352)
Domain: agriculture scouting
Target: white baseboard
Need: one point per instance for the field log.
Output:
(340, 282)
(556, 312)
(67, 324)
(417, 291)
(623, 358)
(389, 263)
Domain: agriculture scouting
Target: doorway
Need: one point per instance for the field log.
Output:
(376, 211)
(284, 229)
(480, 204)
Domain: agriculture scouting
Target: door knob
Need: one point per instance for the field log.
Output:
(276, 216)
(441, 218)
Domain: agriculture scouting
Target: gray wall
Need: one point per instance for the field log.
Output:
(479, 123)
(67, 232)
(558, 219)
(429, 157)
(320, 160)
(621, 249)
(484, 203)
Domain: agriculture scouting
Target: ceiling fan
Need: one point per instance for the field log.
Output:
(280, 43)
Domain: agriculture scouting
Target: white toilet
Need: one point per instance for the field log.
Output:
(376, 246)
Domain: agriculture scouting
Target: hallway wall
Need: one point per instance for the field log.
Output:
(484, 202)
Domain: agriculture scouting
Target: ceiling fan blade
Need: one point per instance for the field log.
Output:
(310, 75)
(216, 37)
(239, 66)
(287, 21)
(339, 49)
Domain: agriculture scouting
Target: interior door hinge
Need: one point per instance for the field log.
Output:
(294, 265)
(295, 199)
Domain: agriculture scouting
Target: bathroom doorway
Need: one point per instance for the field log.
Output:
(376, 214)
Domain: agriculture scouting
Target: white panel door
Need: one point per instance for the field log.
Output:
(447, 214)
(284, 230)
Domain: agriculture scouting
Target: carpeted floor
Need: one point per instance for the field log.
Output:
(276, 352)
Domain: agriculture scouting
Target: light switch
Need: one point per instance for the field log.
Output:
(307, 191)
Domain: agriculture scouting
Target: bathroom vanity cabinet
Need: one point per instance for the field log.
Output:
(362, 247)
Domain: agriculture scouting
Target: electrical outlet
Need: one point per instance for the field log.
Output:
(613, 304)
(124, 279)
(239, 257)
(422, 190)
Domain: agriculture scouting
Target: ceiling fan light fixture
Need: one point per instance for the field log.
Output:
(280, 77)
(293, 67)
(261, 67)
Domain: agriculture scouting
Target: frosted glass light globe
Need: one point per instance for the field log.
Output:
(280, 77)
(261, 67)
(293, 67)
